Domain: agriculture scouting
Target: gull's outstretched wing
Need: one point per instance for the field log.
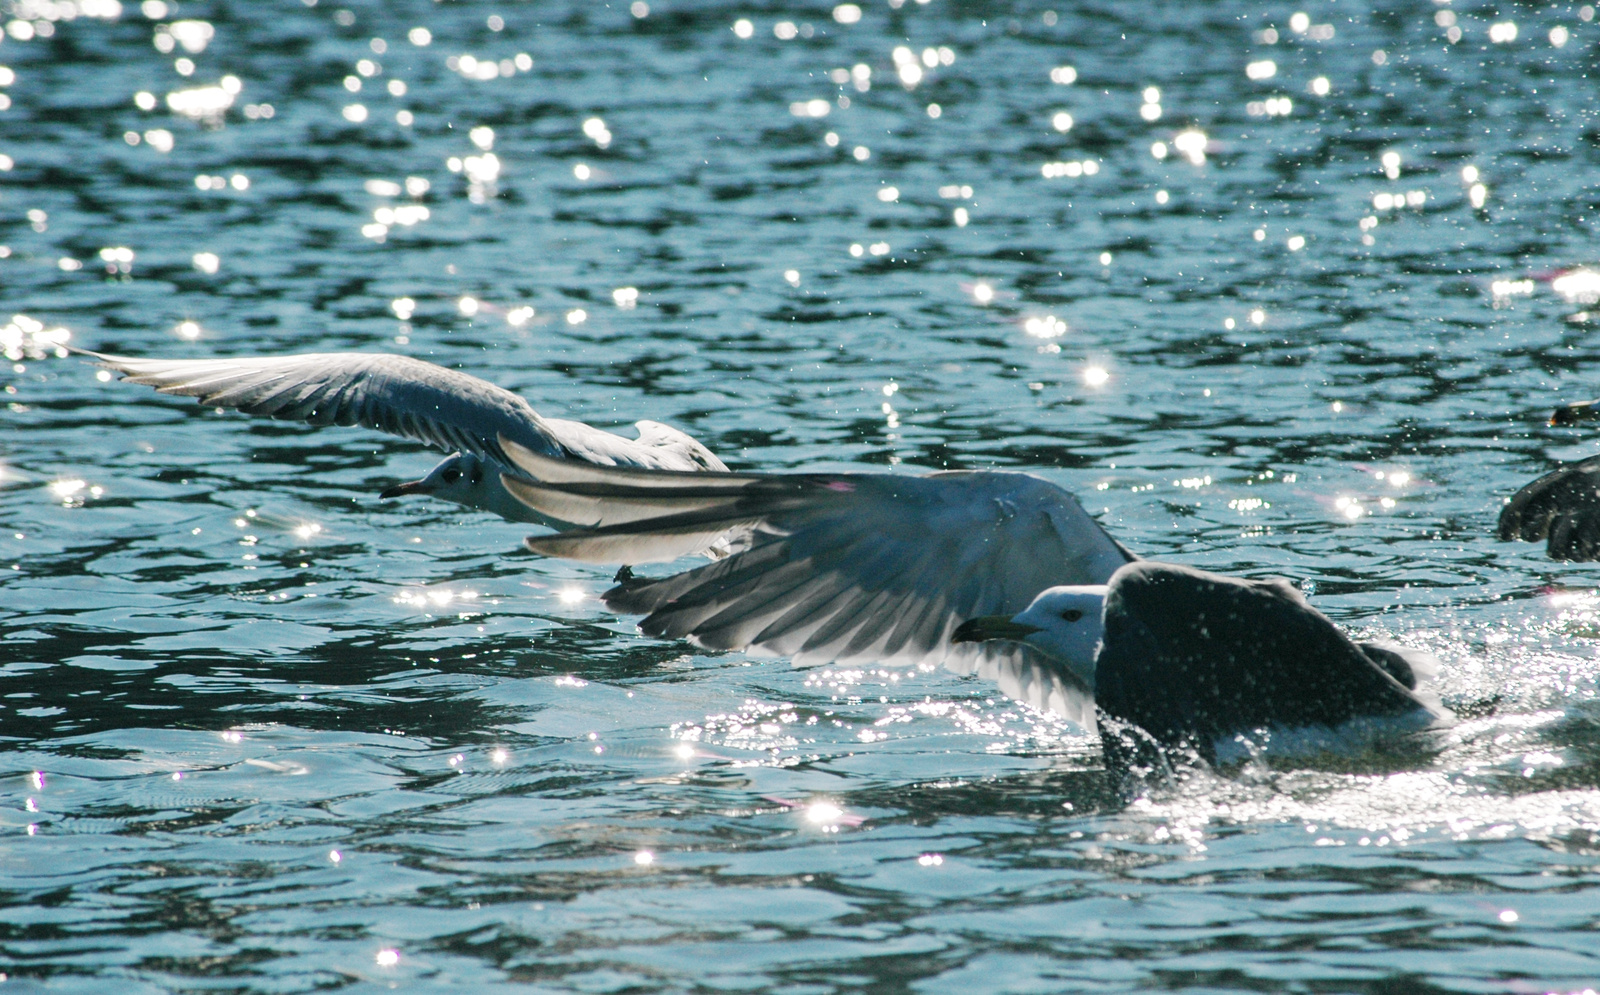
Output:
(1563, 507)
(394, 394)
(848, 568)
(406, 397)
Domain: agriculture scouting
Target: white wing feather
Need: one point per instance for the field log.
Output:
(406, 397)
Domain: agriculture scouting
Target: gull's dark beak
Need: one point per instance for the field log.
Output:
(1572, 414)
(410, 487)
(977, 630)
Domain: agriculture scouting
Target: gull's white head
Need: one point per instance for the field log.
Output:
(472, 481)
(459, 477)
(1063, 623)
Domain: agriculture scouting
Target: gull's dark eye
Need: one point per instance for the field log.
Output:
(452, 475)
(1072, 614)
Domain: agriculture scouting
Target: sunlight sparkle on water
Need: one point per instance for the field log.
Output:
(595, 128)
(907, 67)
(1511, 288)
(1578, 286)
(1047, 327)
(644, 858)
(388, 958)
(1095, 376)
(437, 598)
(824, 813)
(208, 104)
(68, 489)
(1574, 599)
(1192, 144)
(571, 595)
(1071, 170)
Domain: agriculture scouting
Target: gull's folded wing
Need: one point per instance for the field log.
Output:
(1563, 507)
(1190, 655)
(394, 394)
(848, 568)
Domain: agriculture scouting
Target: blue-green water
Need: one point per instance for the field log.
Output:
(262, 732)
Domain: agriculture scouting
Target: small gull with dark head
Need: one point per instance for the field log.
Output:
(417, 400)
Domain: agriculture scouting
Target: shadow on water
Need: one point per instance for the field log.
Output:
(364, 681)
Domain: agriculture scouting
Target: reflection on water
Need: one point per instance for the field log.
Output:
(1277, 292)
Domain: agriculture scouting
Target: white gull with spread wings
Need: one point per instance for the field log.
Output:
(417, 400)
(999, 573)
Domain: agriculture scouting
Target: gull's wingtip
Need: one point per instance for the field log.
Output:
(102, 358)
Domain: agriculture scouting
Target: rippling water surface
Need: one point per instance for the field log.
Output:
(1273, 288)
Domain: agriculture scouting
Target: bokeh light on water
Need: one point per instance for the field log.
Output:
(1276, 291)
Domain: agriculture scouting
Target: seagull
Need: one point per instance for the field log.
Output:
(418, 400)
(997, 573)
(1563, 508)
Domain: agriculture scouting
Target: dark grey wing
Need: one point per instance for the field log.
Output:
(1563, 507)
(394, 394)
(1193, 656)
(835, 567)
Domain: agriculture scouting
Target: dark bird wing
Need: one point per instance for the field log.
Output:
(847, 568)
(394, 394)
(1562, 507)
(1192, 656)
(1575, 412)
